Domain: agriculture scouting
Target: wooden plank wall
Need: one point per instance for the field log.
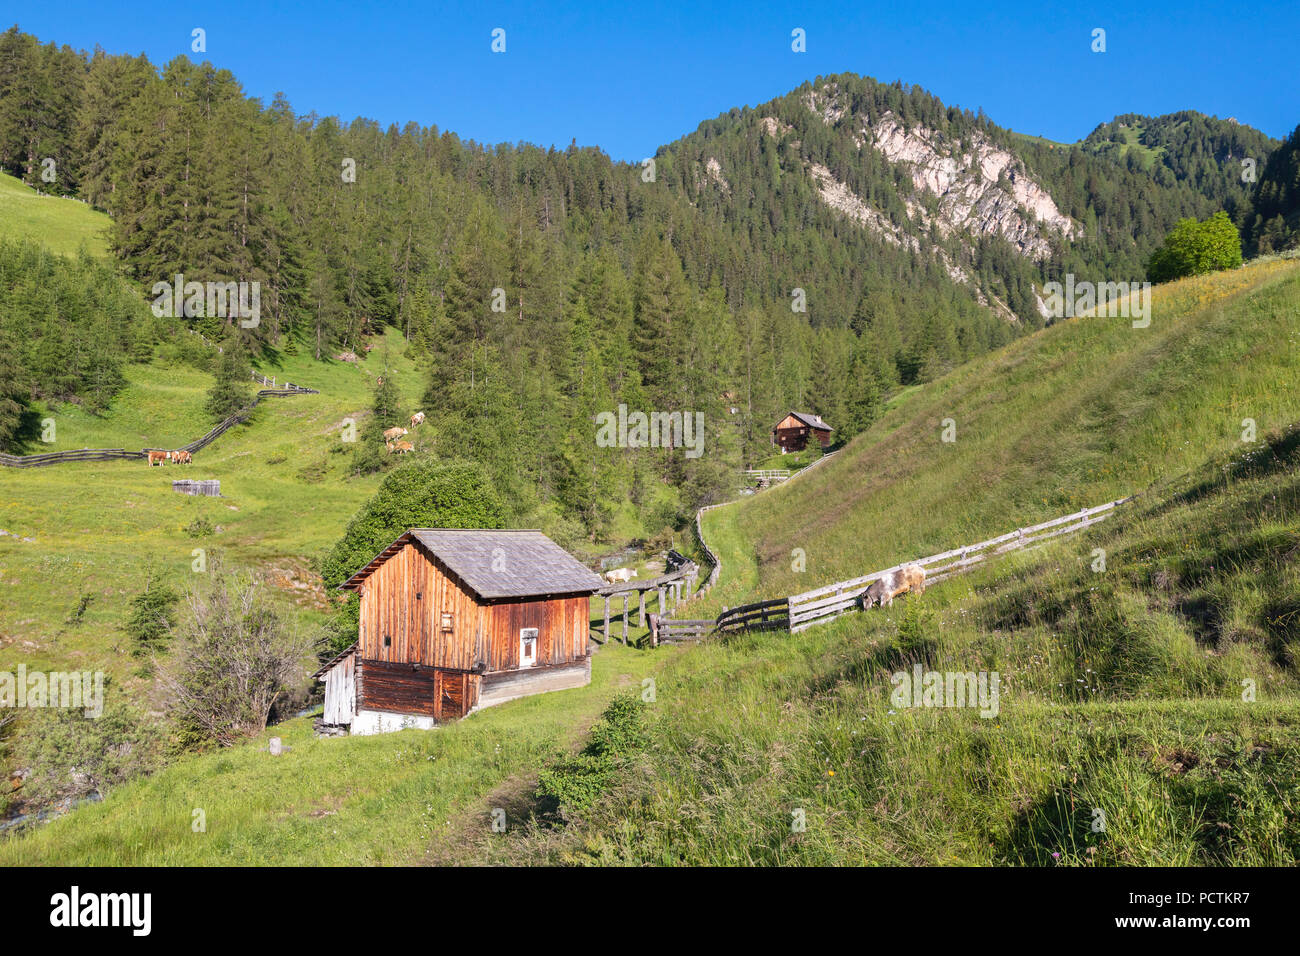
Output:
(409, 689)
(481, 633)
(391, 608)
(340, 692)
(561, 631)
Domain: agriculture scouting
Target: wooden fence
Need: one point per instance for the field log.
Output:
(678, 632)
(113, 454)
(761, 616)
(672, 589)
(715, 562)
(829, 602)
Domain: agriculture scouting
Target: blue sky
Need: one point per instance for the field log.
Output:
(630, 77)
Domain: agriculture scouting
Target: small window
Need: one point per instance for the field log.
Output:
(447, 622)
(527, 646)
(388, 641)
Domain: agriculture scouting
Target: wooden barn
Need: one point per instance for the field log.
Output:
(455, 620)
(791, 433)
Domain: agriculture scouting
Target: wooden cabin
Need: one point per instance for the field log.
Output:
(455, 620)
(791, 433)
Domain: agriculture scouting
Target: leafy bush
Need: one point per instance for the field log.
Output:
(1195, 248)
(415, 495)
(200, 527)
(78, 613)
(573, 784)
(916, 633)
(233, 660)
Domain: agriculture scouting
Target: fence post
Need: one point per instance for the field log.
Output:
(625, 614)
(661, 600)
(641, 619)
(606, 617)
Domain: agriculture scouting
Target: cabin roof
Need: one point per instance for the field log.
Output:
(496, 564)
(812, 421)
(329, 664)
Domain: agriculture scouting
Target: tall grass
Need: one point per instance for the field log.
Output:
(1089, 410)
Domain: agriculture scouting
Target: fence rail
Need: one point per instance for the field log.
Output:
(760, 616)
(829, 602)
(675, 632)
(115, 454)
(715, 562)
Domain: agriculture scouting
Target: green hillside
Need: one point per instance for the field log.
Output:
(1122, 688)
(66, 226)
(1089, 410)
(103, 529)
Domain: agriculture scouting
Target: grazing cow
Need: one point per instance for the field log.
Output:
(880, 591)
(417, 419)
(619, 574)
(392, 434)
(404, 446)
(157, 458)
(183, 457)
(911, 578)
(888, 586)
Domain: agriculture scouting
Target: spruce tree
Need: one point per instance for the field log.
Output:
(230, 392)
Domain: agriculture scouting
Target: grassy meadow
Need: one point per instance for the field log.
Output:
(66, 226)
(404, 798)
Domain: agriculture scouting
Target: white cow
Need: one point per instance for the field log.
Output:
(619, 574)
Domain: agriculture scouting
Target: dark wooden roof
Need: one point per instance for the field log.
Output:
(812, 421)
(496, 564)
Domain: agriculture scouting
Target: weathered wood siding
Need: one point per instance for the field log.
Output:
(341, 692)
(412, 689)
(561, 623)
(406, 596)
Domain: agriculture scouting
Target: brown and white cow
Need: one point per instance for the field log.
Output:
(880, 591)
(403, 447)
(417, 419)
(890, 585)
(394, 433)
(182, 457)
(910, 578)
(158, 458)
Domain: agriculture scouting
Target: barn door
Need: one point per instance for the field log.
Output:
(451, 695)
